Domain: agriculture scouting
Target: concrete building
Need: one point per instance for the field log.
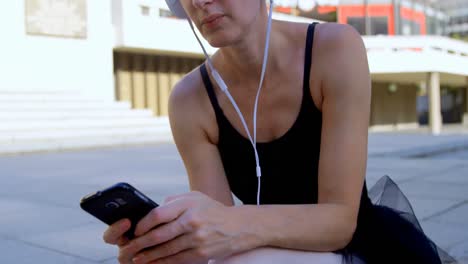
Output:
(403, 65)
(397, 25)
(393, 17)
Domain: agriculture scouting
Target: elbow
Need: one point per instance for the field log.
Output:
(342, 234)
(346, 234)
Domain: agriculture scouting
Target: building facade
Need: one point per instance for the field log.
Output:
(57, 46)
(388, 22)
(376, 17)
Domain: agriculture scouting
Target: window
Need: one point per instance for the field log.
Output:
(379, 25)
(358, 23)
(406, 27)
(145, 10)
(165, 13)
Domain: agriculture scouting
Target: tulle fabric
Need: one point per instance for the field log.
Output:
(390, 232)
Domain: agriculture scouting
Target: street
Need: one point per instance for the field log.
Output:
(41, 220)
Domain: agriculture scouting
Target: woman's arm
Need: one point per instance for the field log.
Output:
(189, 115)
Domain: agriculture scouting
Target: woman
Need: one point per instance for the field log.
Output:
(302, 160)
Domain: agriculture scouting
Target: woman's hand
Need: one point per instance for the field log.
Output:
(189, 228)
(114, 235)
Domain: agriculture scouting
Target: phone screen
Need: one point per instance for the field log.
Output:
(118, 202)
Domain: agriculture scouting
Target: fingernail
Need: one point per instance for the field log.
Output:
(136, 259)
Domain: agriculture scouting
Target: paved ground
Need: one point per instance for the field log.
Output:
(41, 222)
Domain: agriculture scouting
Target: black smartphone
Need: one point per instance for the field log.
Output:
(119, 201)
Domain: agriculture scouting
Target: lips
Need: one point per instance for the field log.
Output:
(209, 19)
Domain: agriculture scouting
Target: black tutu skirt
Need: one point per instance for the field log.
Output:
(389, 232)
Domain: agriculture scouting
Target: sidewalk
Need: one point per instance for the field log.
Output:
(41, 222)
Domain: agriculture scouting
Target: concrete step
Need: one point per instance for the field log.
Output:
(82, 114)
(14, 136)
(35, 93)
(61, 105)
(46, 98)
(73, 124)
(82, 142)
(50, 97)
(52, 121)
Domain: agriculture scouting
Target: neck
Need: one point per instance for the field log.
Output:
(243, 61)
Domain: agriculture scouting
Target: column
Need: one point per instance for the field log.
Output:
(396, 16)
(124, 77)
(138, 82)
(367, 24)
(164, 84)
(435, 114)
(465, 114)
(151, 81)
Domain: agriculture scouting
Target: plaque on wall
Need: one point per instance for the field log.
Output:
(61, 18)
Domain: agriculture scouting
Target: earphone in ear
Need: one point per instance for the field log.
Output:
(176, 8)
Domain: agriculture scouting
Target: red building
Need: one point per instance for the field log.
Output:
(382, 18)
(385, 17)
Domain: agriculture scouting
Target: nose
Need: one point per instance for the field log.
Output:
(201, 3)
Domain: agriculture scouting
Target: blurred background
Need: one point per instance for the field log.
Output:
(103, 70)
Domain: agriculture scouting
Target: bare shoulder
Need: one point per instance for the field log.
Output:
(332, 36)
(189, 93)
(187, 101)
(340, 50)
(339, 43)
(186, 89)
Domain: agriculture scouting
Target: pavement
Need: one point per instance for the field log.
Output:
(41, 221)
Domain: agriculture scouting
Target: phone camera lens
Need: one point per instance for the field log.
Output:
(112, 205)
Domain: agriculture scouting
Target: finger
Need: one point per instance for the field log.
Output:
(122, 241)
(172, 247)
(172, 198)
(179, 196)
(153, 238)
(160, 215)
(185, 257)
(124, 259)
(115, 231)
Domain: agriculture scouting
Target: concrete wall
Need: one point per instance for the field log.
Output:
(37, 63)
(391, 108)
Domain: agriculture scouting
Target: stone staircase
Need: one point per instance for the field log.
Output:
(54, 121)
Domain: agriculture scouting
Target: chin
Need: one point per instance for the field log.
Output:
(219, 41)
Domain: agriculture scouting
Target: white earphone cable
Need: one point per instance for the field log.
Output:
(224, 88)
(265, 59)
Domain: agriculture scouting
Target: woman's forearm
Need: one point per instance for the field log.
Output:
(313, 227)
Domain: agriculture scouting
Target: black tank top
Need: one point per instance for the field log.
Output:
(289, 164)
